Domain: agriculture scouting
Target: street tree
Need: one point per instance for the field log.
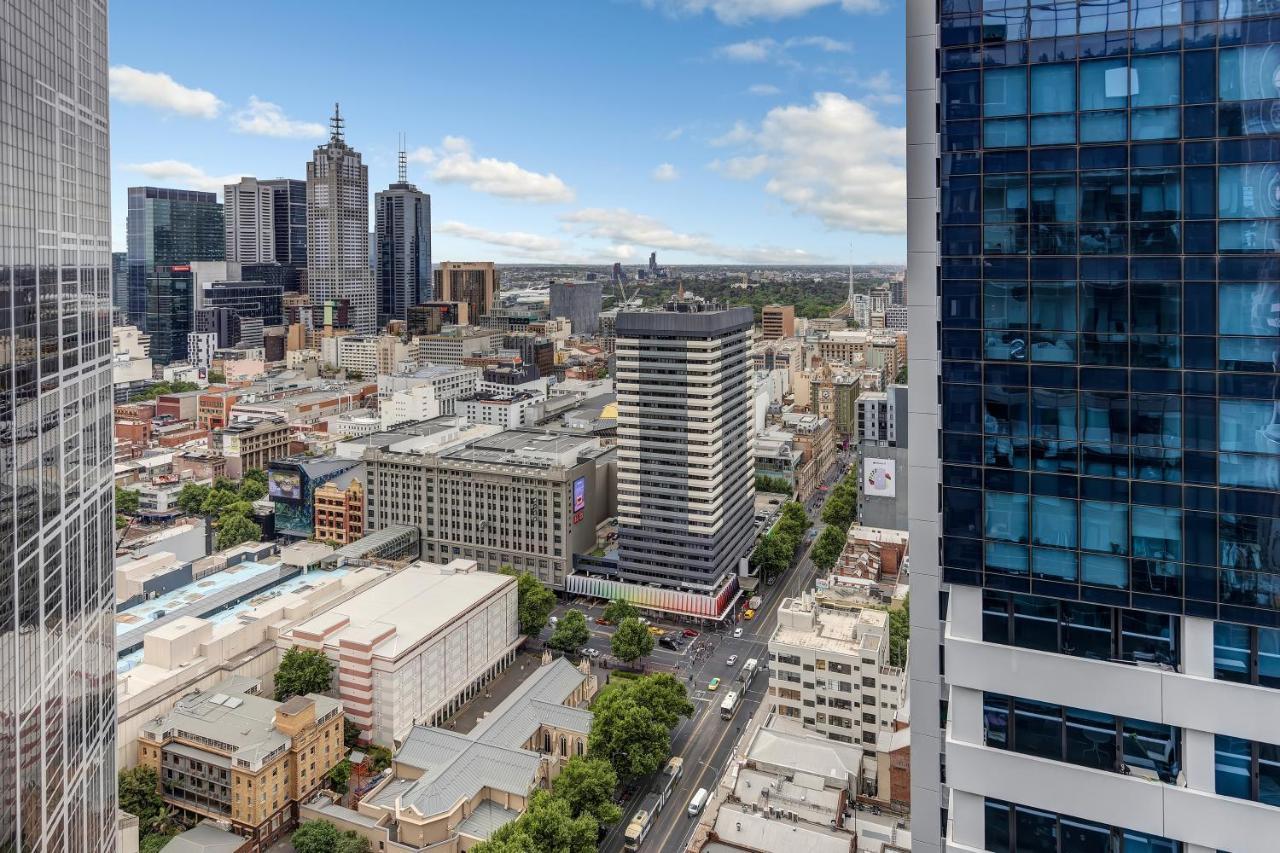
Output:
(587, 785)
(234, 528)
(827, 547)
(840, 509)
(302, 671)
(664, 695)
(620, 609)
(191, 498)
(571, 632)
(126, 501)
(547, 824)
(772, 554)
(252, 490)
(631, 641)
(628, 735)
(534, 602)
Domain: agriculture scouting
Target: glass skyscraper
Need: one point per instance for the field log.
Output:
(57, 634)
(167, 229)
(1094, 221)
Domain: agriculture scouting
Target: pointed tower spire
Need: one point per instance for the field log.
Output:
(404, 162)
(335, 124)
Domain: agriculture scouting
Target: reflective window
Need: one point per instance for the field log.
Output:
(1247, 769)
(1010, 827)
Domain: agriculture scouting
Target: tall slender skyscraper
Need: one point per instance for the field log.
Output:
(402, 229)
(57, 635)
(289, 214)
(338, 228)
(249, 213)
(167, 230)
(1094, 239)
(686, 475)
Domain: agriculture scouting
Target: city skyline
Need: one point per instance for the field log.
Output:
(710, 136)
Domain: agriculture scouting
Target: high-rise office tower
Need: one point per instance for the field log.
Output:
(580, 303)
(686, 475)
(289, 215)
(248, 208)
(120, 281)
(1093, 237)
(474, 282)
(402, 228)
(338, 228)
(167, 230)
(57, 633)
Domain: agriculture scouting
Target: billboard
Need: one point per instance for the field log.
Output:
(878, 478)
(285, 485)
(580, 494)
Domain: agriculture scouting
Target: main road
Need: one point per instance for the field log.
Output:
(705, 741)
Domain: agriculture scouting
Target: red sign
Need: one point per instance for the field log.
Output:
(181, 268)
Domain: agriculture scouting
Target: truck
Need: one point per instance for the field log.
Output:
(642, 821)
(754, 602)
(729, 705)
(748, 672)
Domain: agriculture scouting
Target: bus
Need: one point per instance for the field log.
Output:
(642, 822)
(748, 672)
(670, 775)
(729, 705)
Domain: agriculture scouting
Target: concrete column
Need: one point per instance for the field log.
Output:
(1197, 646)
(967, 818)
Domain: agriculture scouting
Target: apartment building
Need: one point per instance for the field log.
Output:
(829, 669)
(877, 350)
(522, 498)
(252, 443)
(339, 512)
(452, 344)
(230, 754)
(503, 409)
(777, 321)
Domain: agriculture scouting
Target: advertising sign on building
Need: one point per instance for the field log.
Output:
(879, 478)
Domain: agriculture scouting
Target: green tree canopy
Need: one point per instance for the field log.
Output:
(234, 528)
(218, 499)
(827, 548)
(302, 671)
(899, 633)
(664, 695)
(772, 555)
(548, 824)
(252, 490)
(620, 609)
(126, 501)
(191, 498)
(534, 602)
(631, 641)
(587, 785)
(775, 485)
(840, 509)
(632, 721)
(350, 733)
(338, 775)
(139, 794)
(320, 836)
(571, 633)
(257, 475)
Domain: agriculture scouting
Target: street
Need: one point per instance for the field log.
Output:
(706, 741)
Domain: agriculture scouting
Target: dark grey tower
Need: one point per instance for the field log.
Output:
(57, 635)
(402, 233)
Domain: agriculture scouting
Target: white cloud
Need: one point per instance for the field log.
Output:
(665, 172)
(833, 159)
(741, 168)
(743, 11)
(459, 165)
(736, 135)
(763, 89)
(532, 244)
(626, 228)
(752, 50)
(176, 173)
(263, 118)
(159, 91)
(421, 154)
(674, 134)
(824, 43)
(780, 52)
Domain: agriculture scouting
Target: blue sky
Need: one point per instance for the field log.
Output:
(750, 131)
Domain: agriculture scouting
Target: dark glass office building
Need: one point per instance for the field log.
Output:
(289, 220)
(57, 589)
(168, 229)
(246, 298)
(1098, 258)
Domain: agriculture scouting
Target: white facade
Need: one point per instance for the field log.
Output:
(502, 411)
(415, 404)
(248, 214)
(200, 348)
(414, 644)
(447, 384)
(130, 355)
(370, 356)
(829, 669)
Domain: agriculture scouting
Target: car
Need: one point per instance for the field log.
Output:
(669, 643)
(555, 619)
(731, 661)
(656, 631)
(595, 653)
(737, 632)
(600, 620)
(689, 632)
(748, 614)
(713, 684)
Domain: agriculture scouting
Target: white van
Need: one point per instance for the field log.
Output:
(699, 800)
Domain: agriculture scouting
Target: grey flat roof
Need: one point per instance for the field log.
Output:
(701, 323)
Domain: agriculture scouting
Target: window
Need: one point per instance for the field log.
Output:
(1079, 629)
(1246, 655)
(1011, 828)
(1247, 769)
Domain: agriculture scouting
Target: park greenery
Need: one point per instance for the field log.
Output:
(320, 836)
(302, 671)
(838, 514)
(229, 504)
(161, 388)
(571, 633)
(775, 551)
(810, 298)
(631, 641)
(774, 485)
(534, 602)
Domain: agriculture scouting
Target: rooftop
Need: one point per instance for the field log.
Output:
(405, 609)
(805, 623)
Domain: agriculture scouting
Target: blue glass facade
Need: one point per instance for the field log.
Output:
(1110, 304)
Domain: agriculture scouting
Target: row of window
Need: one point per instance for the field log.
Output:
(1243, 236)
(1085, 738)
(1011, 828)
(1110, 24)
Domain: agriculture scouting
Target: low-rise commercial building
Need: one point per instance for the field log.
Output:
(447, 383)
(501, 409)
(777, 321)
(252, 443)
(452, 344)
(231, 754)
(523, 498)
(829, 669)
(339, 512)
(423, 642)
(447, 791)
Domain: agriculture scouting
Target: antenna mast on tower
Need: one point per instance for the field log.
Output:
(335, 124)
(404, 162)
